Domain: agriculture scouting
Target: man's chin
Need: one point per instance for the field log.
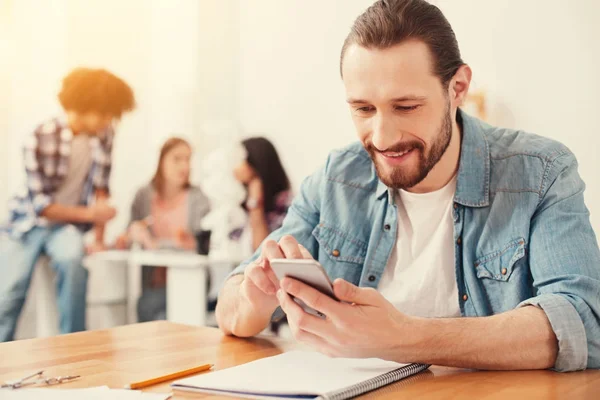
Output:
(397, 179)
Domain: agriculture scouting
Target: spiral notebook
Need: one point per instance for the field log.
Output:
(301, 375)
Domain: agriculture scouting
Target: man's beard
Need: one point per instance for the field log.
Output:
(403, 178)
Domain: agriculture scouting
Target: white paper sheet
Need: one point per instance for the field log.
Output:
(94, 393)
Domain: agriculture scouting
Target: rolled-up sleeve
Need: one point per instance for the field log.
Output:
(565, 266)
(568, 328)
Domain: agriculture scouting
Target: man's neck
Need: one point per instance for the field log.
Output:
(74, 125)
(446, 168)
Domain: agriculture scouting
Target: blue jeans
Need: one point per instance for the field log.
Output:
(63, 244)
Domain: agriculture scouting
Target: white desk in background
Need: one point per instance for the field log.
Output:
(187, 273)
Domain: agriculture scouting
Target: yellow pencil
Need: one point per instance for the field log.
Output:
(175, 375)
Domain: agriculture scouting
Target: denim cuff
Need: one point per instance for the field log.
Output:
(568, 328)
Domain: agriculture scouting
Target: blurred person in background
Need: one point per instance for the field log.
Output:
(268, 200)
(165, 213)
(268, 188)
(67, 163)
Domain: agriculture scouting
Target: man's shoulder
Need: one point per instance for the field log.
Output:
(505, 144)
(522, 161)
(351, 165)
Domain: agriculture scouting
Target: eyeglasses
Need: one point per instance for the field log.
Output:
(38, 379)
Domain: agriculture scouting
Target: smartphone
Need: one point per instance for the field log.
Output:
(309, 272)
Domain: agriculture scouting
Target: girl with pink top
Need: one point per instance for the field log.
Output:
(166, 213)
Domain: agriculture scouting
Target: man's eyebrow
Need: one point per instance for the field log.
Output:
(409, 97)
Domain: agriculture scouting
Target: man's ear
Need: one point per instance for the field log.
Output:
(459, 85)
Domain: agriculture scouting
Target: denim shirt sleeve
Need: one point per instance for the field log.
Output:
(302, 217)
(565, 265)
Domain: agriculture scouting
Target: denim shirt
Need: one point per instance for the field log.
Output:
(521, 231)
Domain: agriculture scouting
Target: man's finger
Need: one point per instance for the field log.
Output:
(305, 253)
(300, 318)
(260, 279)
(270, 250)
(301, 325)
(289, 247)
(311, 297)
(350, 293)
(270, 273)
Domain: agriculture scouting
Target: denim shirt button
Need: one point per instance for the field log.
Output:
(465, 297)
(458, 241)
(387, 227)
(372, 278)
(335, 253)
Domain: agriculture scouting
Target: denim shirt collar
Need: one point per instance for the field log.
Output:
(472, 186)
(473, 183)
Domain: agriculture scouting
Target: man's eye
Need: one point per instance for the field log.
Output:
(407, 108)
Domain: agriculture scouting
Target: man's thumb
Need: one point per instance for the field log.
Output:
(346, 291)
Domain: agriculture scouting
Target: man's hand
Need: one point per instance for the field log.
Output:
(260, 284)
(363, 325)
(247, 302)
(101, 212)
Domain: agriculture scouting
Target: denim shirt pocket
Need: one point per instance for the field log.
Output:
(499, 264)
(341, 254)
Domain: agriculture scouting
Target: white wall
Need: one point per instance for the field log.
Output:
(539, 63)
(537, 60)
(5, 89)
(290, 86)
(34, 57)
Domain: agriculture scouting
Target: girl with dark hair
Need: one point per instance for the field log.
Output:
(268, 189)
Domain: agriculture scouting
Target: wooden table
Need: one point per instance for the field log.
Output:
(117, 356)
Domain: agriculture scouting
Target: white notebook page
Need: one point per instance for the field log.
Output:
(292, 373)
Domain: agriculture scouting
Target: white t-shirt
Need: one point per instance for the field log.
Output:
(420, 277)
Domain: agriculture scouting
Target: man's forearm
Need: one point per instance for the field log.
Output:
(519, 339)
(235, 315)
(60, 213)
(101, 195)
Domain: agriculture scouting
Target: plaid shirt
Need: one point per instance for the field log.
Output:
(47, 153)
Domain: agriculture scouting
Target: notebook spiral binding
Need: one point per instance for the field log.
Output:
(376, 383)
